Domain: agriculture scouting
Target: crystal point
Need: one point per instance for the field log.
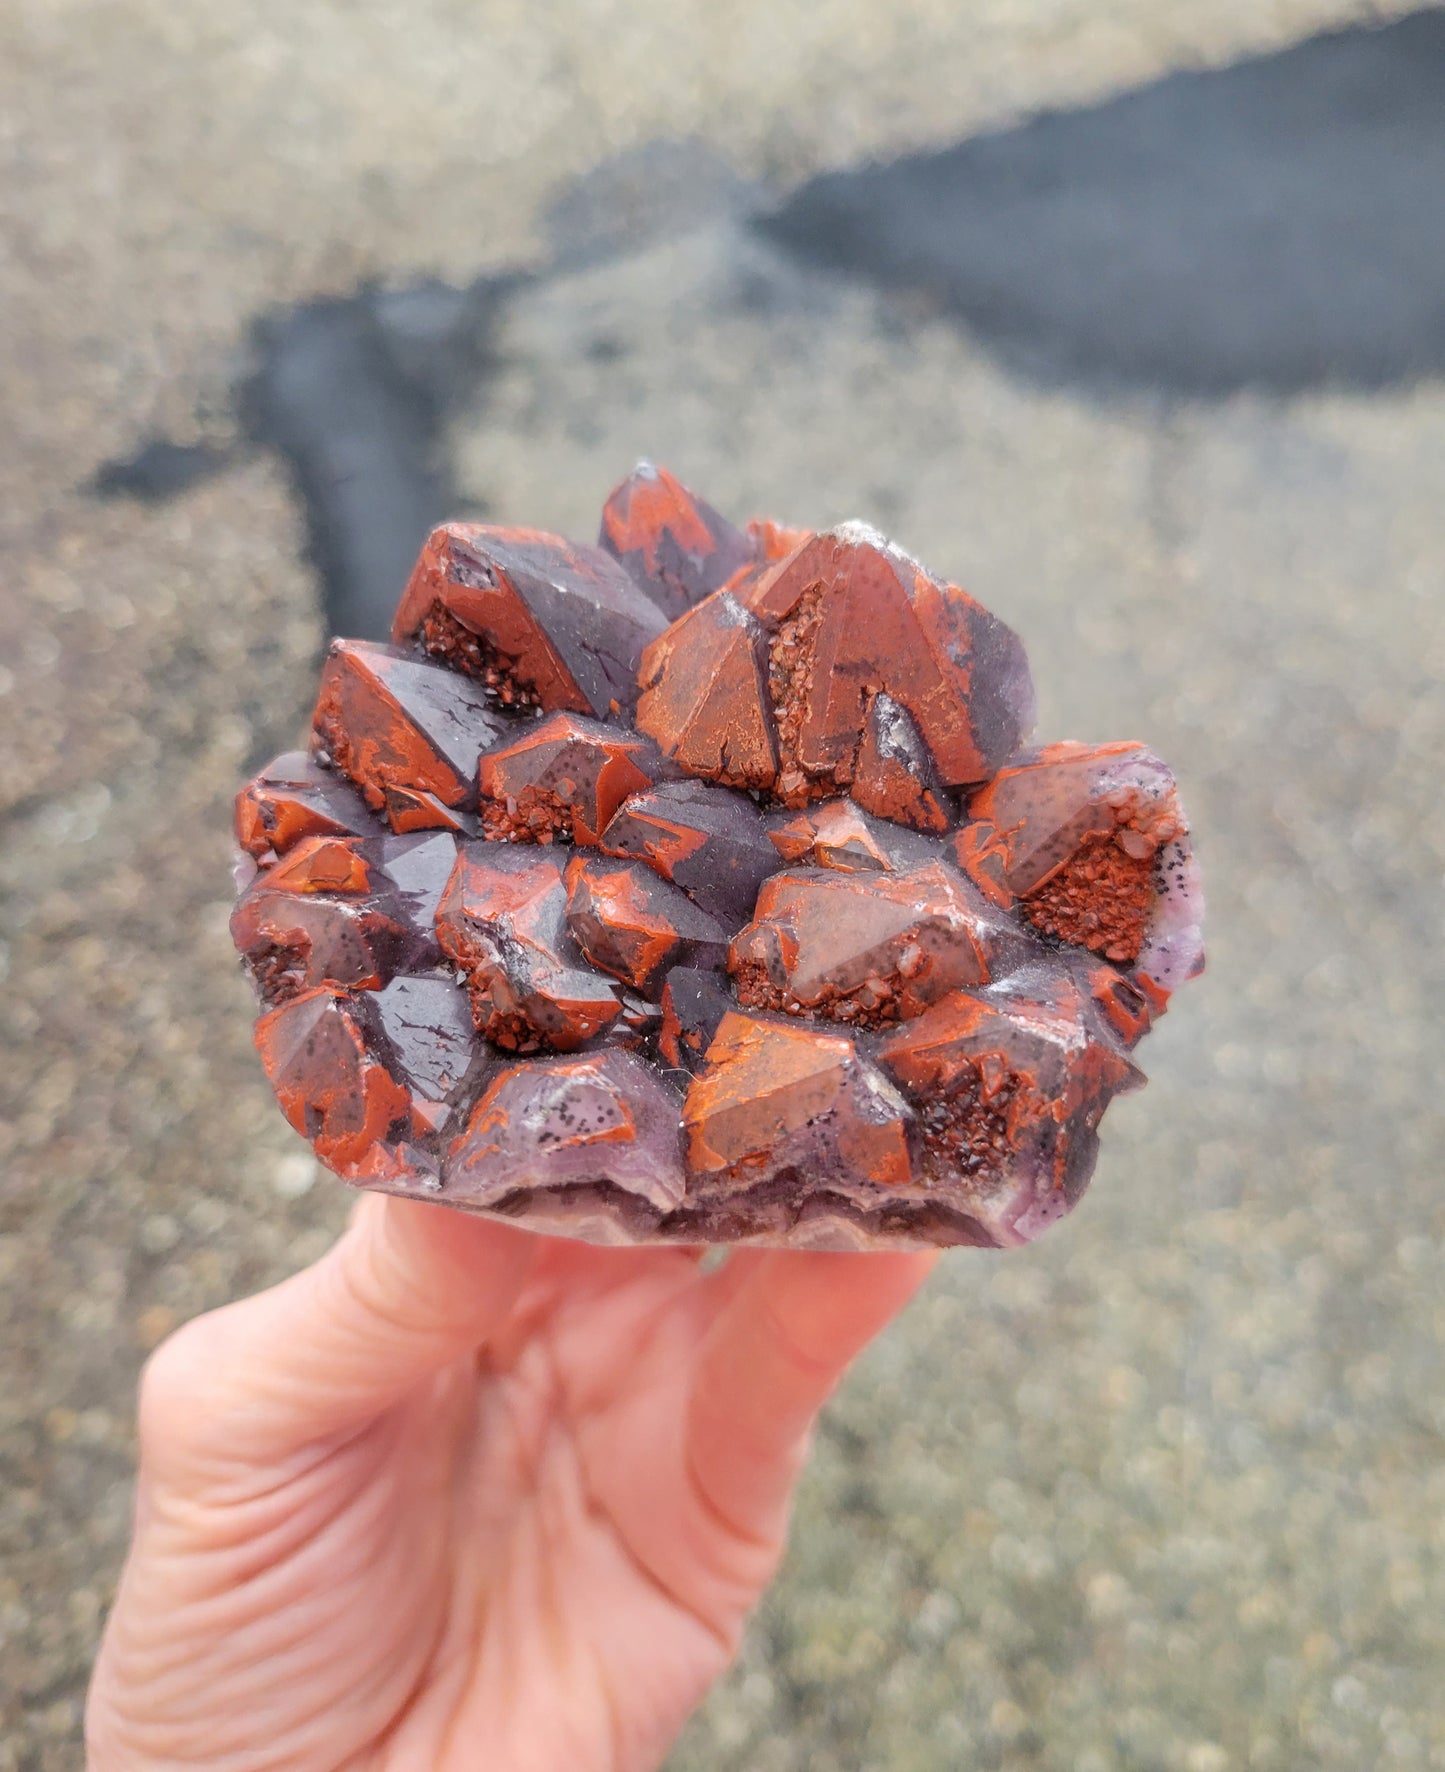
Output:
(534, 620)
(675, 545)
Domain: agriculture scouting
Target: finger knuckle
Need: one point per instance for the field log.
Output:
(173, 1384)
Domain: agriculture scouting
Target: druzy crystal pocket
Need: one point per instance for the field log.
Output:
(705, 886)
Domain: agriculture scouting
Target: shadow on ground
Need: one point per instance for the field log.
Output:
(1266, 225)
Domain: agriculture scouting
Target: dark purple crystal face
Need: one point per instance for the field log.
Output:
(701, 886)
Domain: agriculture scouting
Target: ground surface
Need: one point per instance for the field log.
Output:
(1165, 1491)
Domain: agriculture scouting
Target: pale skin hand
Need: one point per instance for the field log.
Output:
(458, 1497)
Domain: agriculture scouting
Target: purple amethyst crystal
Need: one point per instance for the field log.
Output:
(705, 886)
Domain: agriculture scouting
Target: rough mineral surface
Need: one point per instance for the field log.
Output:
(703, 886)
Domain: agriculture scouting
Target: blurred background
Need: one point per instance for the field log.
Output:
(1128, 314)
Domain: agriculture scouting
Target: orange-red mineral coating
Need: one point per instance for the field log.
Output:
(868, 618)
(1074, 831)
(561, 780)
(712, 843)
(693, 1003)
(869, 948)
(975, 849)
(614, 921)
(1100, 898)
(335, 1090)
(766, 1087)
(775, 541)
(537, 620)
(893, 776)
(794, 690)
(635, 925)
(295, 934)
(386, 720)
(1043, 808)
(502, 918)
(705, 695)
(838, 834)
(489, 634)
(768, 542)
(685, 808)
(644, 828)
(831, 834)
(1010, 1083)
(845, 617)
(409, 809)
(1123, 1002)
(675, 545)
(294, 797)
(763, 1078)
(322, 864)
(1011, 1032)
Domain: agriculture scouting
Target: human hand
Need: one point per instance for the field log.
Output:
(460, 1497)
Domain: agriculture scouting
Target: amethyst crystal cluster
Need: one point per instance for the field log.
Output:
(702, 886)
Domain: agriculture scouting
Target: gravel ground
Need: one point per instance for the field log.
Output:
(1164, 1492)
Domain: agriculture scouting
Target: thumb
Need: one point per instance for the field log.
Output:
(408, 1289)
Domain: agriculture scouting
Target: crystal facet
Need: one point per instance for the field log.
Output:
(698, 887)
(386, 720)
(1092, 841)
(705, 695)
(894, 776)
(368, 1080)
(294, 797)
(869, 948)
(535, 620)
(328, 914)
(561, 781)
(712, 843)
(635, 925)
(676, 546)
(845, 616)
(1010, 1085)
(839, 834)
(603, 1119)
(694, 1001)
(774, 1097)
(503, 920)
